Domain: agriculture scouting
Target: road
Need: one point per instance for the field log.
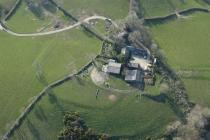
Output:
(55, 31)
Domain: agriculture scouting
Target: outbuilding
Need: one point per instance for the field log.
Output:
(133, 65)
(133, 76)
(112, 68)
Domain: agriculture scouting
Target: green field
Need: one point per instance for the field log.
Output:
(100, 26)
(185, 43)
(199, 90)
(57, 55)
(67, 52)
(126, 116)
(115, 9)
(32, 22)
(154, 8)
(28, 64)
(18, 81)
(7, 3)
(181, 5)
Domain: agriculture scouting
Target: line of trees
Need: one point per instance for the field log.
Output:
(197, 126)
(135, 7)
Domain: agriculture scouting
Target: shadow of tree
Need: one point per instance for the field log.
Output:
(86, 29)
(54, 100)
(20, 135)
(34, 131)
(80, 81)
(163, 98)
(35, 8)
(39, 113)
(47, 5)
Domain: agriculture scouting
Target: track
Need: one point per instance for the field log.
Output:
(55, 31)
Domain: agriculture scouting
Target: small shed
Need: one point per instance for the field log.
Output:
(133, 76)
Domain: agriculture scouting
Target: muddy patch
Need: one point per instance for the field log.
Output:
(99, 78)
(113, 98)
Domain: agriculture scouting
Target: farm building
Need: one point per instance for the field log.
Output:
(149, 80)
(133, 76)
(143, 63)
(138, 52)
(133, 65)
(138, 57)
(112, 68)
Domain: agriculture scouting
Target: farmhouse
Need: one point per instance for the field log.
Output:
(112, 68)
(133, 76)
(138, 52)
(138, 57)
(137, 68)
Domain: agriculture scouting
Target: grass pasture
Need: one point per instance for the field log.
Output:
(26, 20)
(119, 83)
(67, 53)
(181, 5)
(185, 43)
(154, 8)
(126, 116)
(7, 3)
(100, 27)
(54, 53)
(18, 80)
(122, 115)
(116, 9)
(199, 90)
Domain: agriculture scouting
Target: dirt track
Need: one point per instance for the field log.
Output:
(55, 31)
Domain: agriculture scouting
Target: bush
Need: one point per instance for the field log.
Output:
(76, 129)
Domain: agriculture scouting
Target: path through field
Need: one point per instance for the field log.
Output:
(55, 31)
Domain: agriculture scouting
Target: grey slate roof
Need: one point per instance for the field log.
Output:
(133, 65)
(138, 52)
(114, 68)
(133, 76)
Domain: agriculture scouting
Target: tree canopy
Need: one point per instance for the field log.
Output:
(76, 129)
